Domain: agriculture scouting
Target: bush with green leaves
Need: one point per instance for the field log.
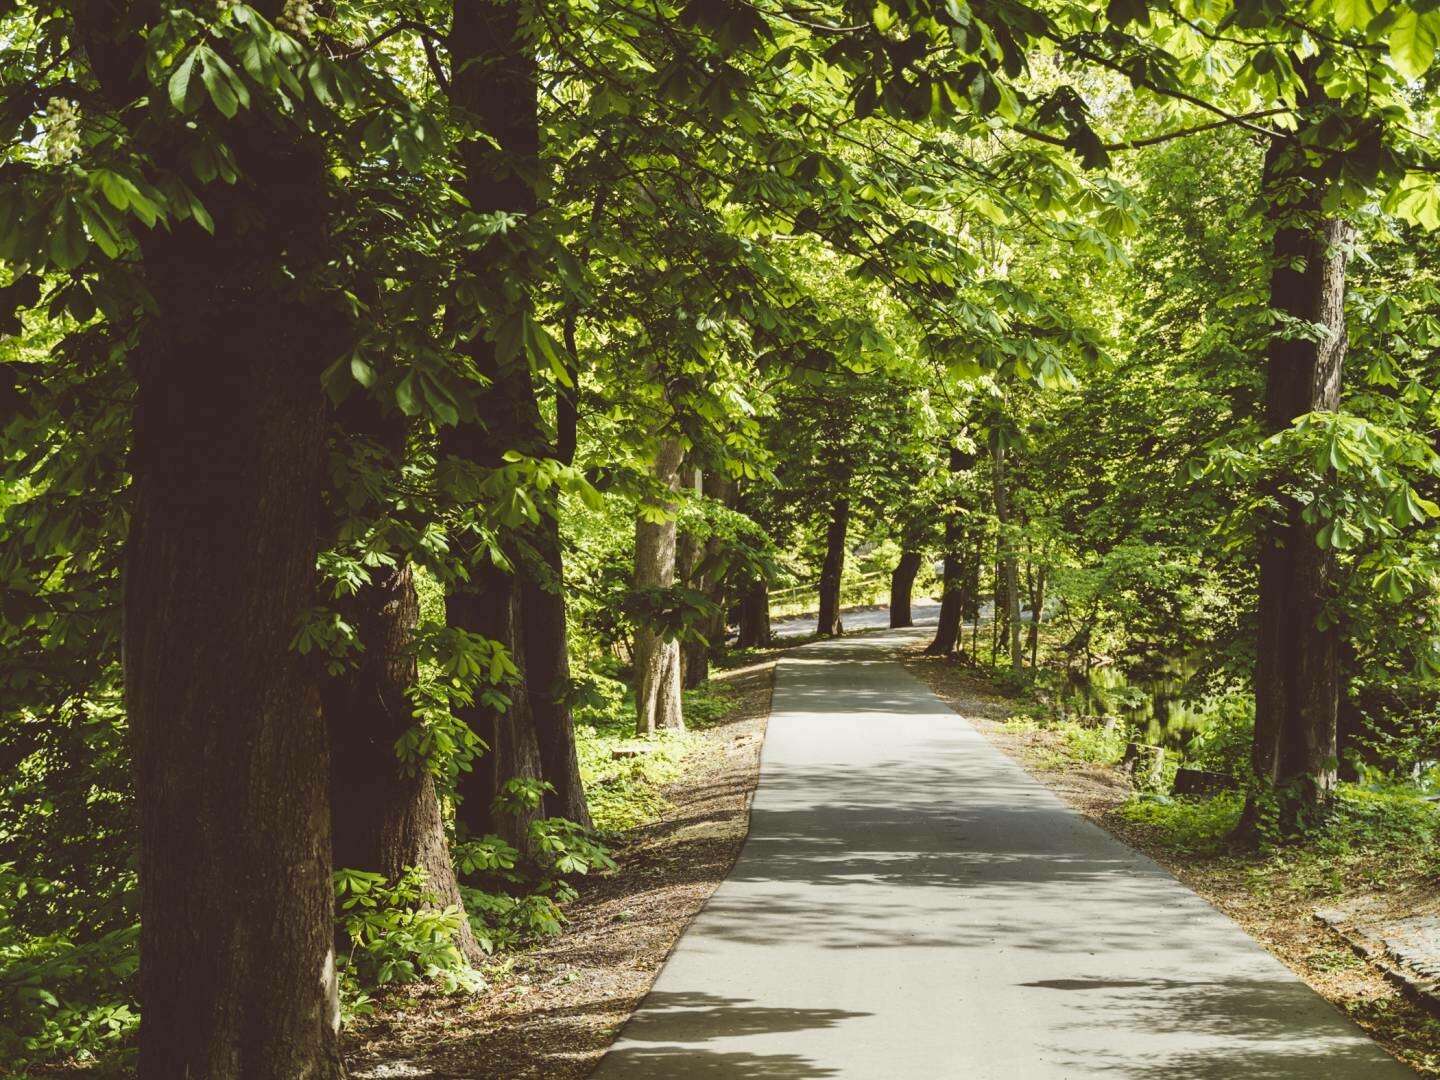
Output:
(516, 897)
(62, 996)
(395, 933)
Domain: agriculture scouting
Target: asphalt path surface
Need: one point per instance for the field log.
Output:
(910, 903)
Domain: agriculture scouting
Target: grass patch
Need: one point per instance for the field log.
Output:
(1069, 741)
(1180, 824)
(1375, 839)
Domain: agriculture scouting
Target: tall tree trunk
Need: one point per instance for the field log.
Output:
(1009, 567)
(1296, 681)
(229, 749)
(902, 585)
(231, 757)
(754, 631)
(386, 815)
(657, 657)
(833, 569)
(952, 607)
(495, 81)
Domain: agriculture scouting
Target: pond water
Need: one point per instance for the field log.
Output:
(1157, 710)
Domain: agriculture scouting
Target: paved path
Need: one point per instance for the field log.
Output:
(923, 612)
(910, 904)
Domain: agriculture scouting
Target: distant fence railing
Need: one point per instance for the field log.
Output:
(856, 592)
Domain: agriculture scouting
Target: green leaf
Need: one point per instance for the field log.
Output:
(180, 96)
(1413, 39)
(68, 245)
(227, 90)
(405, 396)
(363, 372)
(100, 229)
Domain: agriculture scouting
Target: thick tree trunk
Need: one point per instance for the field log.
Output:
(231, 758)
(386, 815)
(1296, 680)
(657, 657)
(754, 631)
(902, 585)
(229, 749)
(495, 81)
(833, 569)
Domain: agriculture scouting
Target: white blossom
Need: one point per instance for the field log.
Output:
(296, 18)
(62, 131)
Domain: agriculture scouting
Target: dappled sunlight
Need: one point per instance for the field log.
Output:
(910, 903)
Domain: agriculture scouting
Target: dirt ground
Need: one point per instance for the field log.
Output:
(553, 1012)
(1249, 891)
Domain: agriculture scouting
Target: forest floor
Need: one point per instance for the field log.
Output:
(1274, 897)
(552, 1011)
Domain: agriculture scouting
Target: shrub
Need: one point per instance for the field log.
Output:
(396, 934)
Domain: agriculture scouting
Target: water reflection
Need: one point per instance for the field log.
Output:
(1160, 710)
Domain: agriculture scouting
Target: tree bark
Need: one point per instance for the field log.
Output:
(230, 752)
(902, 585)
(547, 672)
(490, 605)
(657, 657)
(1296, 671)
(754, 631)
(495, 81)
(230, 755)
(833, 569)
(386, 815)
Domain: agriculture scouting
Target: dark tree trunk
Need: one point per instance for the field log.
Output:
(386, 815)
(1296, 680)
(695, 655)
(952, 609)
(230, 754)
(952, 598)
(657, 658)
(230, 751)
(833, 569)
(489, 605)
(754, 632)
(547, 673)
(495, 81)
(902, 585)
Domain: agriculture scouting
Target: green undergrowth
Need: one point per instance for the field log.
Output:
(625, 775)
(1374, 839)
(1377, 836)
